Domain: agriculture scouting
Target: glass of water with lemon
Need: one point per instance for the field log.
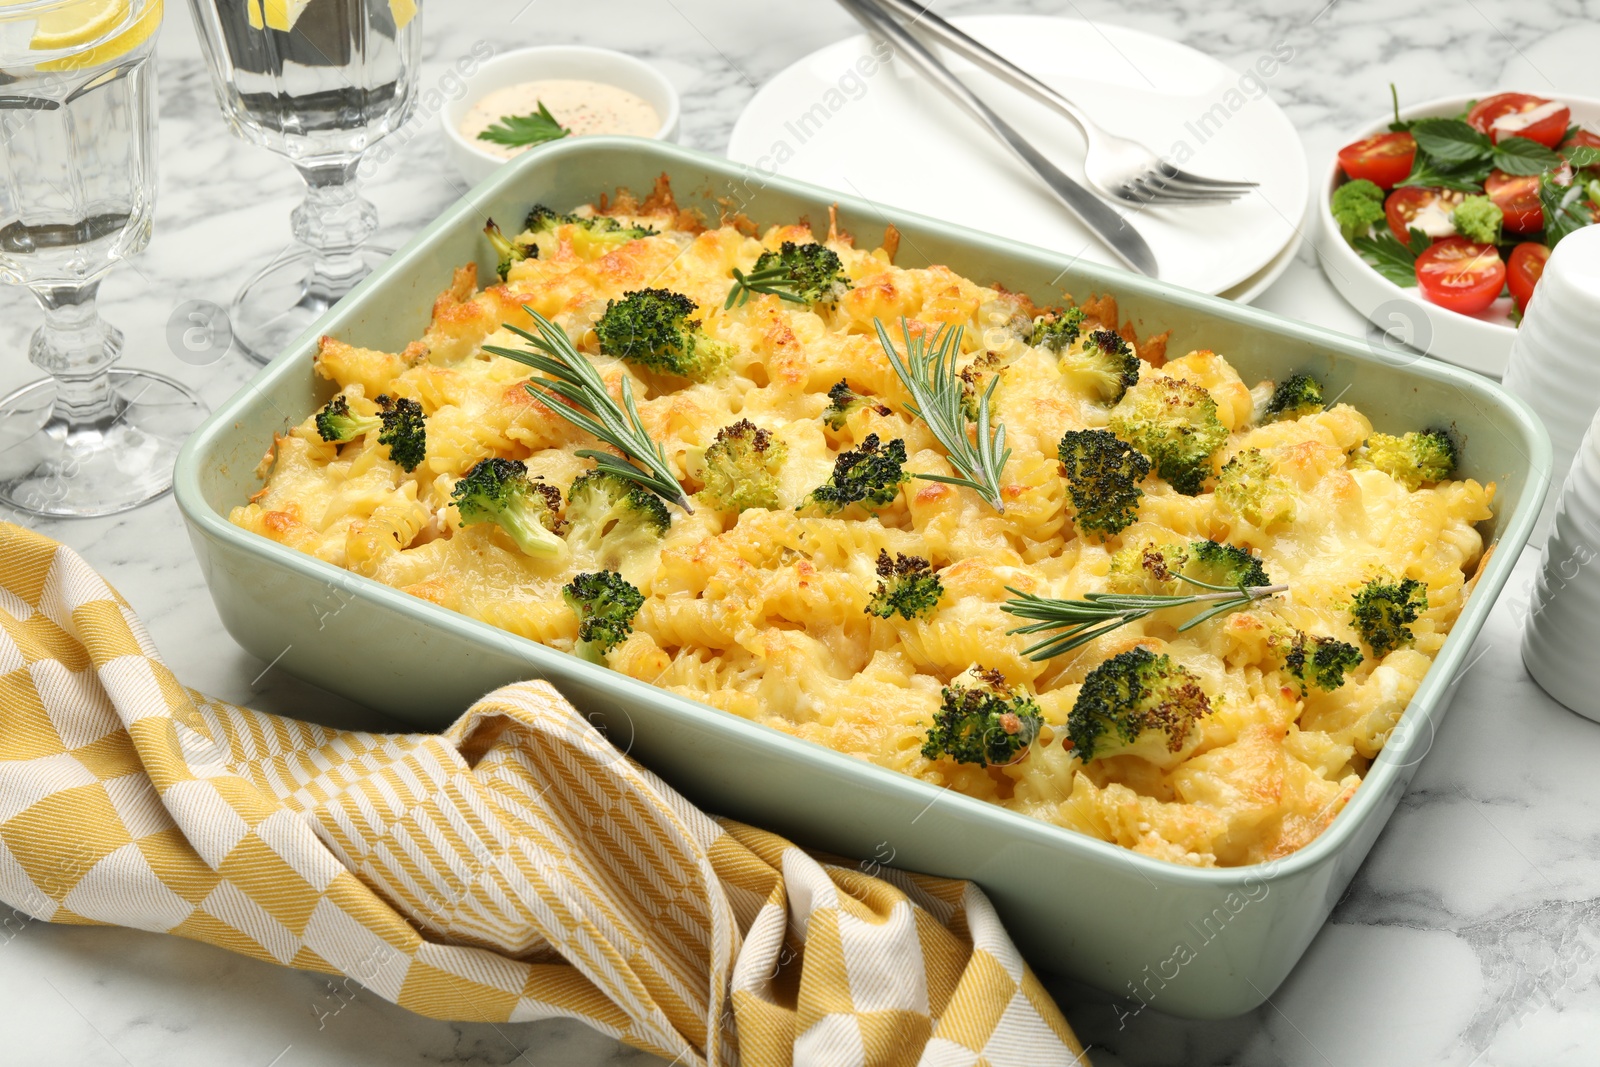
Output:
(77, 193)
(318, 82)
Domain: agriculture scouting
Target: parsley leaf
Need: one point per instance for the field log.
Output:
(1519, 155)
(1563, 211)
(516, 130)
(1389, 257)
(1451, 141)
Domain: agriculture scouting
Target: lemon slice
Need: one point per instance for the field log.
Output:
(403, 11)
(137, 32)
(283, 14)
(77, 24)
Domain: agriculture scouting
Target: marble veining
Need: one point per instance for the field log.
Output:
(1470, 936)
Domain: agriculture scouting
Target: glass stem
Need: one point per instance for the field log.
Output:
(334, 221)
(76, 347)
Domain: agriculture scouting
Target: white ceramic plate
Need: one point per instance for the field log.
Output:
(1477, 342)
(891, 137)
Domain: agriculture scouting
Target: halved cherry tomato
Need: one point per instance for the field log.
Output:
(1518, 199)
(1404, 205)
(1384, 160)
(1507, 115)
(1461, 275)
(1524, 271)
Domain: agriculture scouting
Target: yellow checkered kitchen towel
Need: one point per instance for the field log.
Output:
(515, 867)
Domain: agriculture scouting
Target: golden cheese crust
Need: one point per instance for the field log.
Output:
(762, 614)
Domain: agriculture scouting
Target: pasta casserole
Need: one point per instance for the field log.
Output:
(853, 483)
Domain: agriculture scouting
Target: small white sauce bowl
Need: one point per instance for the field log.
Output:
(475, 162)
(1477, 342)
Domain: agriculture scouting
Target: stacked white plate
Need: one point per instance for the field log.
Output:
(844, 119)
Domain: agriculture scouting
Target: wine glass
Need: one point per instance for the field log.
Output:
(77, 193)
(319, 82)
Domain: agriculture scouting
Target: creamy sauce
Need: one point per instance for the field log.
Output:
(1514, 122)
(1434, 219)
(584, 107)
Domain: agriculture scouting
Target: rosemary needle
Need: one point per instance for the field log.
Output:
(938, 396)
(575, 391)
(1080, 621)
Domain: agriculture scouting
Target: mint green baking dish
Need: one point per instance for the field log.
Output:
(1196, 943)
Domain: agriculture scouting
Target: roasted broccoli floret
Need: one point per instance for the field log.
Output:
(613, 518)
(975, 379)
(1296, 395)
(1226, 565)
(1148, 566)
(907, 585)
(1056, 331)
(742, 468)
(803, 274)
(844, 402)
(337, 423)
(529, 511)
(656, 328)
(1105, 364)
(1356, 207)
(1136, 703)
(1411, 460)
(591, 234)
(1384, 611)
(605, 604)
(1248, 488)
(1103, 473)
(400, 425)
(982, 720)
(1319, 662)
(870, 475)
(507, 250)
(1174, 422)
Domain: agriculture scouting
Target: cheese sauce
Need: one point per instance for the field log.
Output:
(584, 107)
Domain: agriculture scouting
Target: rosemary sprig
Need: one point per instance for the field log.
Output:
(928, 372)
(1081, 621)
(774, 281)
(575, 391)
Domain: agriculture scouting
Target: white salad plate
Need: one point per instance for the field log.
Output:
(1479, 342)
(843, 119)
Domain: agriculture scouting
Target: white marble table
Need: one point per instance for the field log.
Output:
(1471, 934)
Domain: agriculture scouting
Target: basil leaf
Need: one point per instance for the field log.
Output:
(1564, 212)
(1520, 156)
(1451, 141)
(1466, 178)
(1583, 155)
(1389, 257)
(515, 130)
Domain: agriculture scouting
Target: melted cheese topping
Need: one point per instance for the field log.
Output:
(762, 614)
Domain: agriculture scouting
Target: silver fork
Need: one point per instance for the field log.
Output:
(1116, 166)
(1116, 232)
